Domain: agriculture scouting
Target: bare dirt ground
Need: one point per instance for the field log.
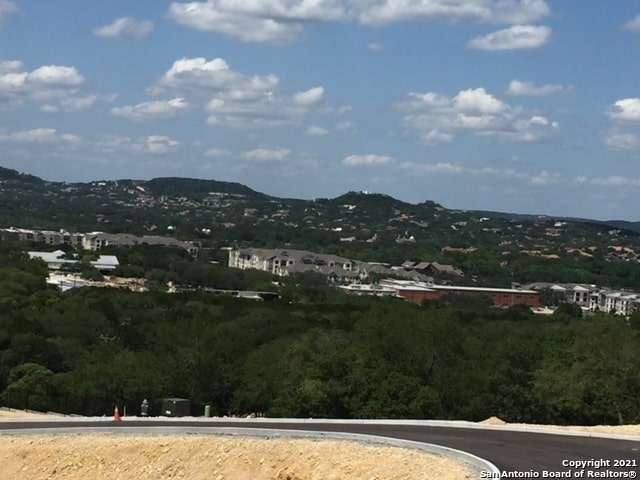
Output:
(199, 457)
(195, 457)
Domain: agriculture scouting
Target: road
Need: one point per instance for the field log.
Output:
(510, 451)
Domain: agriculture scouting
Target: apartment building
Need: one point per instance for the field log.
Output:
(283, 262)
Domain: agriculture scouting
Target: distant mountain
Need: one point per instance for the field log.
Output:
(624, 225)
(10, 175)
(188, 187)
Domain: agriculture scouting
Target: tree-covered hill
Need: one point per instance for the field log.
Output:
(493, 249)
(321, 354)
(197, 188)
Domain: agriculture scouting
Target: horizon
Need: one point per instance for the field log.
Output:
(363, 192)
(510, 106)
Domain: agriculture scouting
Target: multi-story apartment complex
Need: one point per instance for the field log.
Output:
(285, 262)
(594, 298)
(93, 240)
(61, 237)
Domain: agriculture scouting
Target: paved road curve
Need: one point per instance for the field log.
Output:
(510, 451)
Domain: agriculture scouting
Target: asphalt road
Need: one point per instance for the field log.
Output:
(510, 451)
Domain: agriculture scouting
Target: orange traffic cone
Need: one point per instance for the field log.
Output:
(116, 415)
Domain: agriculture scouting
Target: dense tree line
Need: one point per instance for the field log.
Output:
(314, 353)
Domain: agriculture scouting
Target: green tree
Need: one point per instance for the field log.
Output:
(29, 386)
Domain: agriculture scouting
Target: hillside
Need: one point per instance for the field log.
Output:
(492, 248)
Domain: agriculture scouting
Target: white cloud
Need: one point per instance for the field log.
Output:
(56, 75)
(517, 37)
(7, 8)
(309, 97)
(198, 75)
(615, 181)
(156, 145)
(238, 100)
(545, 178)
(48, 81)
(267, 154)
(125, 27)
(369, 160)
(437, 168)
(281, 21)
(478, 101)
(375, 47)
(76, 104)
(160, 109)
(315, 131)
(235, 21)
(37, 136)
(627, 109)
(516, 87)
(488, 11)
(633, 25)
(10, 66)
(435, 118)
(623, 141)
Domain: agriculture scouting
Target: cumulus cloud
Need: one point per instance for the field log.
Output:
(623, 141)
(309, 97)
(517, 37)
(200, 75)
(633, 25)
(37, 136)
(487, 11)
(125, 27)
(76, 104)
(545, 178)
(315, 131)
(160, 109)
(626, 115)
(156, 145)
(281, 21)
(627, 109)
(237, 100)
(368, 160)
(435, 118)
(246, 21)
(267, 154)
(48, 81)
(517, 87)
(7, 8)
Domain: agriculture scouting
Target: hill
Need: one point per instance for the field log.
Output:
(491, 248)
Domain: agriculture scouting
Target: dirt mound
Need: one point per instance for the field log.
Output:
(199, 457)
(494, 421)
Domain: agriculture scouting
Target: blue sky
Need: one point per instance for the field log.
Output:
(524, 106)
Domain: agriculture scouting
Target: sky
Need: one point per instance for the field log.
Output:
(522, 106)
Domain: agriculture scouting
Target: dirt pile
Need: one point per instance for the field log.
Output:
(195, 457)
